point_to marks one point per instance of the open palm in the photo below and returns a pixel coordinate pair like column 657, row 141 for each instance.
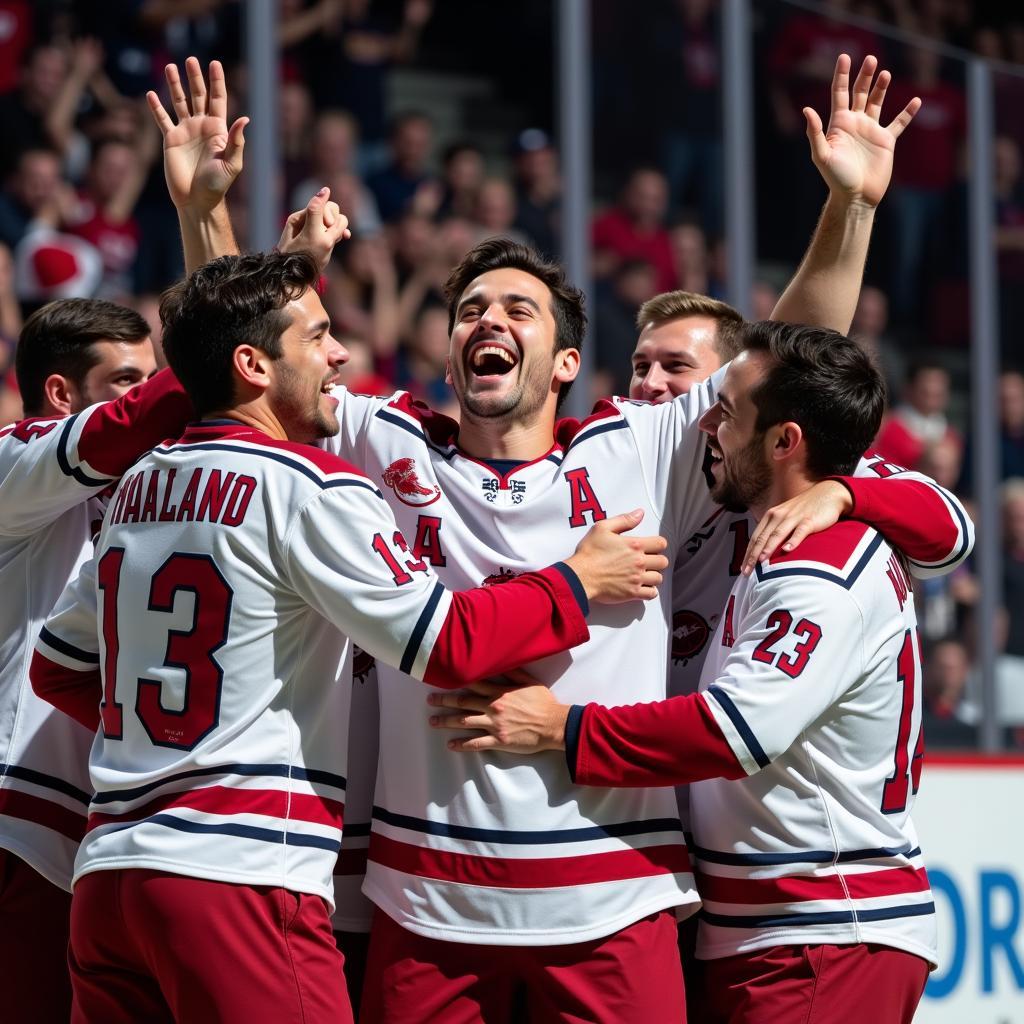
column 202, row 157
column 855, row 153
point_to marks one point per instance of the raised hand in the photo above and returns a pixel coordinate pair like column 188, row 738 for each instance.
column 202, row 156
column 317, row 228
column 854, row 154
column 614, row 568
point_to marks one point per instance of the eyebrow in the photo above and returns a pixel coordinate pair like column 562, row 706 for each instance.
column 723, row 400
column 674, row 354
column 130, row 368
column 509, row 299
column 318, row 327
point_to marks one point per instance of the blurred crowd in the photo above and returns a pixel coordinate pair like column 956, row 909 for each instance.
column 84, row 210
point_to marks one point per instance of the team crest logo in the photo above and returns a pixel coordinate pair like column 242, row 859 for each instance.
column 501, row 576
column 689, row 635
column 401, row 477
column 362, row 664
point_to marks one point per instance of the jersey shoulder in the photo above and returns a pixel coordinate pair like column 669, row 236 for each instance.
column 418, row 419
column 606, row 415
column 839, row 554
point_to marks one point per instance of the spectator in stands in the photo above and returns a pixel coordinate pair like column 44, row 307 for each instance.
column 924, row 175
column 920, row 418
column 334, row 151
column 870, row 323
column 688, row 67
column 1009, row 191
column 422, row 364
column 23, row 113
column 946, row 672
column 296, row 116
column 691, row 259
column 538, row 185
column 36, row 196
column 407, row 181
column 634, row 282
column 635, row 229
column 16, row 33
column 85, row 68
column 1011, row 433
column 362, row 293
column 358, row 374
column 461, row 178
column 495, row 211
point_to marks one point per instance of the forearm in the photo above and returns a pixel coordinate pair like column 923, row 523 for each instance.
column 826, row 286
column 206, row 235
column 76, row 694
column 666, row 743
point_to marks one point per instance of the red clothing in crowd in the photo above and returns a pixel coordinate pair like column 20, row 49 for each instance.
column 938, row 131
column 616, row 232
column 901, row 444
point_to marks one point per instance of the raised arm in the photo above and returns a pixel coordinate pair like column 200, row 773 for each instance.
column 854, row 155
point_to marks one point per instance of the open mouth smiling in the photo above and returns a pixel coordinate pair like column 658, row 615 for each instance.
column 491, row 358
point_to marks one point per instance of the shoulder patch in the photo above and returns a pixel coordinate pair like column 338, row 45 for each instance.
column 839, row 553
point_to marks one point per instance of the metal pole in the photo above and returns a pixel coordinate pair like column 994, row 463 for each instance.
column 574, row 140
column 984, row 372
column 262, row 158
column 738, row 129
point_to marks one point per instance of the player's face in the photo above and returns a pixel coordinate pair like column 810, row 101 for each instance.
column 305, row 374
column 740, row 468
column 673, row 356
column 122, row 366
column 502, row 359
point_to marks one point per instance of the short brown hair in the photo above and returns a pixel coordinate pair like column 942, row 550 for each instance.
column 504, row 253
column 669, row 306
column 58, row 338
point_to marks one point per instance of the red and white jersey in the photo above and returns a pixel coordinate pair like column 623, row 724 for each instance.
column 214, row 620
column 51, row 474
column 803, row 750
column 936, row 537
column 499, row 848
column 814, row 678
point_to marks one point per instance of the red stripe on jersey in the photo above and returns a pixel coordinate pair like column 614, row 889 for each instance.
column 888, row 882
column 77, row 694
column 910, row 514
column 351, row 862
column 274, row 803
column 832, row 547
column 566, row 430
column 529, row 873
column 117, row 433
column 441, row 430
column 28, row 807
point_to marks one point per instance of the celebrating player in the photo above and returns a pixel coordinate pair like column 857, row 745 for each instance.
column 226, row 565
column 73, row 355
column 468, row 854
column 804, row 745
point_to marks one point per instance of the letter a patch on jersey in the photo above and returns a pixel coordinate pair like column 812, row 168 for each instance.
column 428, row 541
column 728, row 633
column 583, row 498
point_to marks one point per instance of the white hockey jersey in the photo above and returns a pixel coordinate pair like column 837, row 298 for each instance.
column 804, row 752
column 229, row 573
column 51, row 474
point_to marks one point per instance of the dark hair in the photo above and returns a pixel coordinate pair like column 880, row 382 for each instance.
column 59, row 338
column 922, row 364
column 503, row 253
column 454, row 149
column 230, row 301
column 823, row 381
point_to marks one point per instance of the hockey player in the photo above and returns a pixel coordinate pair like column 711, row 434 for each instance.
column 804, row 744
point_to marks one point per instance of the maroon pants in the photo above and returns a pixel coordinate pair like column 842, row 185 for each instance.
column 155, row 947
column 630, row 977
column 813, row 985
column 34, row 920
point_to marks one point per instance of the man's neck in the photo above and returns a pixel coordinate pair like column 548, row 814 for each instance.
column 488, row 439
column 252, row 414
column 784, row 486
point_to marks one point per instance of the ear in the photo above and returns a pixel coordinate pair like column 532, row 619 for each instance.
column 59, row 395
column 252, row 367
column 567, row 365
column 788, row 441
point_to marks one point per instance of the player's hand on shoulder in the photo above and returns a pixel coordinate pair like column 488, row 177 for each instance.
column 518, row 715
column 317, row 228
column 786, row 525
column 614, row 567
column 202, row 156
column 855, row 152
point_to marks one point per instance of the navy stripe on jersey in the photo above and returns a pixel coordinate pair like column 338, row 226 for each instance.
column 556, row 459
column 389, row 417
column 747, row 734
column 277, row 771
column 412, row 648
column 69, row 649
column 17, row 771
column 964, row 534
column 264, row 835
column 65, row 464
column 824, row 917
column 220, row 446
column 846, row 582
column 802, row 856
column 585, row 435
column 546, row 837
